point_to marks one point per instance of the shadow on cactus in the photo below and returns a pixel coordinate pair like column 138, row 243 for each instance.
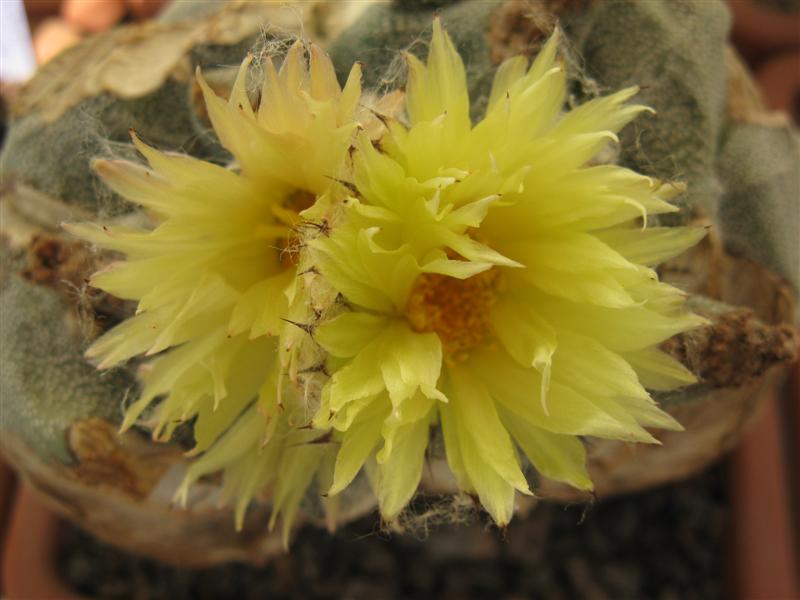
column 366, row 273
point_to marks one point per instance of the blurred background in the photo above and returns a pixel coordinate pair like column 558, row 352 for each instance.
column 731, row 532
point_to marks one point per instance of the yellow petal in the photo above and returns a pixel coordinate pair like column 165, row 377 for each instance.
column 653, row 245
column 322, row 76
column 495, row 493
column 659, row 371
column 358, row 443
column 401, row 472
column 508, row 73
column 440, row 87
column 346, row 334
column 480, row 424
column 557, row 457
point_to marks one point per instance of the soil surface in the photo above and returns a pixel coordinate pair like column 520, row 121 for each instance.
column 666, row 544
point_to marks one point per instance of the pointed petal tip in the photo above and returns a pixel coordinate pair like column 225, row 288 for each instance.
column 285, row 536
column 273, row 518
column 625, row 94
column 696, row 320
column 645, row 437
column 388, row 516
column 93, row 163
column 315, row 51
column 238, row 521
column 201, row 81
column 105, row 364
column 513, row 264
column 501, row 521
column 674, row 425
column 554, row 38
column 70, row 228
column 103, row 166
column 192, row 452
column 179, row 498
column 357, row 71
column 336, row 488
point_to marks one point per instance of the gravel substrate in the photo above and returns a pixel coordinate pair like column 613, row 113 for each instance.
column 663, row 544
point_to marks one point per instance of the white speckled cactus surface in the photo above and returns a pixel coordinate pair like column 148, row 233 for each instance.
column 727, row 166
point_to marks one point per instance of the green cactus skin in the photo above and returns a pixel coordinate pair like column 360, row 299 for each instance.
column 46, row 383
column 759, row 214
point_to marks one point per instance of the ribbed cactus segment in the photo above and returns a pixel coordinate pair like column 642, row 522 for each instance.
column 675, row 52
column 759, row 213
column 46, row 383
column 54, row 156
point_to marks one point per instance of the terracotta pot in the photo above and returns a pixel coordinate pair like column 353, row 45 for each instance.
column 29, row 553
column 765, row 543
column 779, row 78
column 794, row 420
column 8, row 484
column 757, row 30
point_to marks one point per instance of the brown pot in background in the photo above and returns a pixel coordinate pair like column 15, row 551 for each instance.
column 8, row 484
column 779, row 78
column 759, row 30
column 764, row 540
column 29, row 569
column 765, row 469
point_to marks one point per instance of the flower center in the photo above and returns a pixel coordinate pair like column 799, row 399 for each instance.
column 457, row 310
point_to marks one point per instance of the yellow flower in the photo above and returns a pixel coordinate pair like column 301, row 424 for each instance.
column 487, row 279
column 498, row 284
column 215, row 273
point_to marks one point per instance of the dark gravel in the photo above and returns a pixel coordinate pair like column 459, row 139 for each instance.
column 663, row 544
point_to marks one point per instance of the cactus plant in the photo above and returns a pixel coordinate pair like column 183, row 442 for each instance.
column 695, row 137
